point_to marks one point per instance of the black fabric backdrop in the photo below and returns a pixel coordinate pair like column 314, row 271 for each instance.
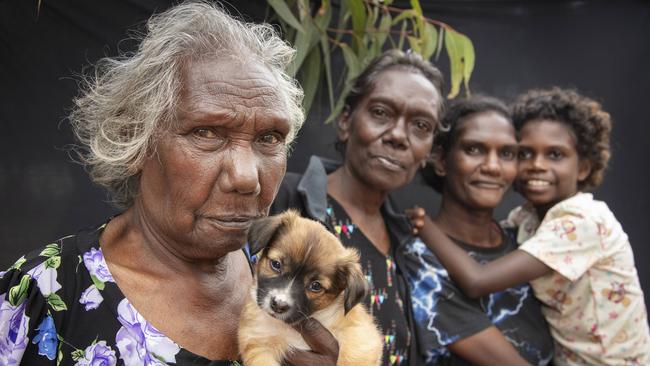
column 601, row 48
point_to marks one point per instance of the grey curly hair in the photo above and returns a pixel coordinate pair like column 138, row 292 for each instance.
column 131, row 98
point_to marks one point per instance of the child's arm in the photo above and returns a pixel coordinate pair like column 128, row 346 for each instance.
column 475, row 279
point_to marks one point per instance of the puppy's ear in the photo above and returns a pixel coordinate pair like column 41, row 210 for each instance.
column 262, row 231
column 357, row 286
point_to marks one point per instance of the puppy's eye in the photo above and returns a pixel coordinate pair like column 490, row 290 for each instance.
column 276, row 265
column 315, row 286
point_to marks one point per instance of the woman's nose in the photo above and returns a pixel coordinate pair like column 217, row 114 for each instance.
column 491, row 165
column 397, row 135
column 239, row 171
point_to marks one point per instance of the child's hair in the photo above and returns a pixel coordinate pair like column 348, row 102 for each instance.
column 456, row 112
column 590, row 124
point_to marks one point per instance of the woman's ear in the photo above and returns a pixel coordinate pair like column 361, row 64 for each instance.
column 343, row 124
column 584, row 169
column 437, row 160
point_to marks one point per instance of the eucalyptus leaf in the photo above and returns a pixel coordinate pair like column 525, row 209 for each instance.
column 414, row 42
column 419, row 16
column 405, row 14
column 469, row 59
column 351, row 61
column 428, row 40
column 455, row 52
column 280, row 7
column 311, row 77
column 327, row 62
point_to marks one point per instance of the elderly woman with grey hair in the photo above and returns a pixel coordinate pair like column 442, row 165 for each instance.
column 189, row 135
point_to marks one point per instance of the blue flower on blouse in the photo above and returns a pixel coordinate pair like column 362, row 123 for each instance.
column 46, row 338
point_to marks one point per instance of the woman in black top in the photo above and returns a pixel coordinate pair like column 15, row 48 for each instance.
column 386, row 133
column 473, row 164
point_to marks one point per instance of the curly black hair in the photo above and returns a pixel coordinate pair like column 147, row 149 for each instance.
column 456, row 113
column 590, row 124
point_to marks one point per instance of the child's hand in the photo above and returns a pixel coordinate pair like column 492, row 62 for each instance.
column 416, row 215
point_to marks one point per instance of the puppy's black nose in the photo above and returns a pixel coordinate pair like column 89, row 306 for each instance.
column 279, row 306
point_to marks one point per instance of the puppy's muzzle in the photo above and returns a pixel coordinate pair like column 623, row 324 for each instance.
column 279, row 306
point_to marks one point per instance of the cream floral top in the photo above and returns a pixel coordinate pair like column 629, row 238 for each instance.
column 593, row 300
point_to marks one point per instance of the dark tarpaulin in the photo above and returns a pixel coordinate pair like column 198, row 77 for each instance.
column 598, row 47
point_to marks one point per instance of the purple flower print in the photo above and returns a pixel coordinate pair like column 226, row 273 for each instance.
column 98, row 354
column 139, row 342
column 91, row 298
column 46, row 338
column 94, row 261
column 13, row 332
column 46, row 278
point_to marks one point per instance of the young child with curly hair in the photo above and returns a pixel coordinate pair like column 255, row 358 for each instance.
column 572, row 249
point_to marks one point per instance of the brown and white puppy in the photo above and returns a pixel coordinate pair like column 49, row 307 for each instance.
column 304, row 271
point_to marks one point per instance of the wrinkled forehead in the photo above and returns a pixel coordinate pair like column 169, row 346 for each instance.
column 248, row 83
column 231, row 89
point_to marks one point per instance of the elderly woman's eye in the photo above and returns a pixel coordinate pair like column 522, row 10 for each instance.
column 276, row 265
column 315, row 286
column 203, row 132
column 270, row 138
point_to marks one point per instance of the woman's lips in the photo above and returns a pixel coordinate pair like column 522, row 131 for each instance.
column 389, row 163
column 233, row 222
column 488, row 184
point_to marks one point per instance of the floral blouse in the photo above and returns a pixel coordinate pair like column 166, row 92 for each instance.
column 60, row 306
column 593, row 300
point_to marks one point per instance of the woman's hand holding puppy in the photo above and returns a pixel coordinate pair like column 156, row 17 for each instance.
column 324, row 347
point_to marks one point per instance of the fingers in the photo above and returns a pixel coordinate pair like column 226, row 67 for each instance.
column 319, row 339
column 416, row 215
column 325, row 348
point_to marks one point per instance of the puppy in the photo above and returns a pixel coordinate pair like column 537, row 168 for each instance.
column 304, row 271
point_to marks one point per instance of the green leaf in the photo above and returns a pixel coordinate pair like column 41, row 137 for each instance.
column 419, row 16
column 455, row 53
column 19, row 263
column 56, row 302
column 280, row 7
column 428, row 40
column 405, row 14
column 327, row 61
column 469, row 59
column 99, row 284
column 78, row 355
column 311, row 77
column 402, row 35
column 18, row 293
column 461, row 59
column 414, row 43
column 50, row 250
column 358, row 12
column 441, row 35
column 53, row 262
column 351, row 61
column 382, row 32
column 303, row 44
